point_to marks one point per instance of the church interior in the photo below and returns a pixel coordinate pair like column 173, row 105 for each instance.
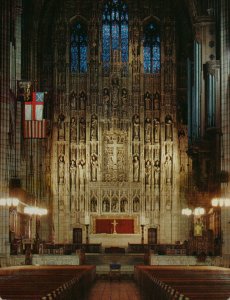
column 115, row 147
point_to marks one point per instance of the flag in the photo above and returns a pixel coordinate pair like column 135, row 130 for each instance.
column 34, row 124
column 38, row 104
column 35, row 129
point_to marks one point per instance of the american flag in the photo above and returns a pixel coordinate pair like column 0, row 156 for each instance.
column 35, row 126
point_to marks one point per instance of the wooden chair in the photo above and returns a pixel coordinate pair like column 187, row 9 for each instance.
column 114, row 271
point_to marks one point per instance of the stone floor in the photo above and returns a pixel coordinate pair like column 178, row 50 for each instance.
column 115, row 289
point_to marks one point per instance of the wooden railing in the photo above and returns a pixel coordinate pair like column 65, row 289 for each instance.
column 161, row 249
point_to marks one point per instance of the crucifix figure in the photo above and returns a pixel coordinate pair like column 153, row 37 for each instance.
column 114, row 223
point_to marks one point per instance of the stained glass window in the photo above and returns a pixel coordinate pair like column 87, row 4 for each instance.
column 114, row 31
column 78, row 48
column 151, row 49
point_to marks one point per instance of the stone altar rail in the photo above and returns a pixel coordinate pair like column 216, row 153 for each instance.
column 177, row 260
column 44, row 260
column 68, row 249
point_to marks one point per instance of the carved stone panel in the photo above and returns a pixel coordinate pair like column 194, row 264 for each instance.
column 115, row 156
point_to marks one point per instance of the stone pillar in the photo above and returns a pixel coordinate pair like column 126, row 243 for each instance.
column 225, row 113
column 4, row 122
column 4, row 231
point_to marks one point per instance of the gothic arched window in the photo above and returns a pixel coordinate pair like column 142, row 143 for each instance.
column 78, row 48
column 114, row 32
column 151, row 48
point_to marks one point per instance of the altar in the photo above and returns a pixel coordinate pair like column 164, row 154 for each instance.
column 115, row 231
column 113, row 226
column 115, row 240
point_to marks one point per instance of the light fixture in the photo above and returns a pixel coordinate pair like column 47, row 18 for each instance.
column 186, row 211
column 220, row 202
column 9, row 202
column 87, row 220
column 198, row 211
column 33, row 210
column 30, row 210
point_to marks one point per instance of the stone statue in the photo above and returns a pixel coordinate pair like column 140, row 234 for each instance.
column 156, row 101
column 135, row 168
column 156, row 173
column 168, row 128
column 106, row 101
column 136, row 205
column 124, row 205
column 136, row 126
column 73, row 129
column 93, row 205
column 115, row 92
column 81, row 171
column 147, row 130
column 114, row 206
column 72, row 170
column 61, row 127
column 124, row 100
column 73, row 100
column 61, row 169
column 148, row 101
column 82, row 101
column 93, row 127
column 94, row 165
column 82, row 129
column 105, row 205
column 168, row 168
column 148, row 170
column 156, row 130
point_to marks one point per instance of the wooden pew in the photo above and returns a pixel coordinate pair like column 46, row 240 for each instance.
column 47, row 282
column 174, row 282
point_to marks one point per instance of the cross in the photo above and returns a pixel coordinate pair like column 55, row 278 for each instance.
column 113, row 149
column 115, row 146
column 114, row 223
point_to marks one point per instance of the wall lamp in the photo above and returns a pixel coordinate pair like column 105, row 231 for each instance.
column 29, row 210
column 33, row 210
column 220, row 202
column 198, row 211
column 9, row 202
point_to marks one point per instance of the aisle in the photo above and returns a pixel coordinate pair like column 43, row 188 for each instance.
column 114, row 290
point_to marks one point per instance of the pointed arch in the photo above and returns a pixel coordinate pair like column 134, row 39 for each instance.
column 151, row 47
column 78, row 47
column 114, row 31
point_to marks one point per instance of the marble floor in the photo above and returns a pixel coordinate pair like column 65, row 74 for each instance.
column 114, row 290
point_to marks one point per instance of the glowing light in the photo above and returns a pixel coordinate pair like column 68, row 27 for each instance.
column 215, row 202
column 186, row 211
column 220, row 202
column 198, row 211
column 9, row 202
column 33, row 210
column 227, row 202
